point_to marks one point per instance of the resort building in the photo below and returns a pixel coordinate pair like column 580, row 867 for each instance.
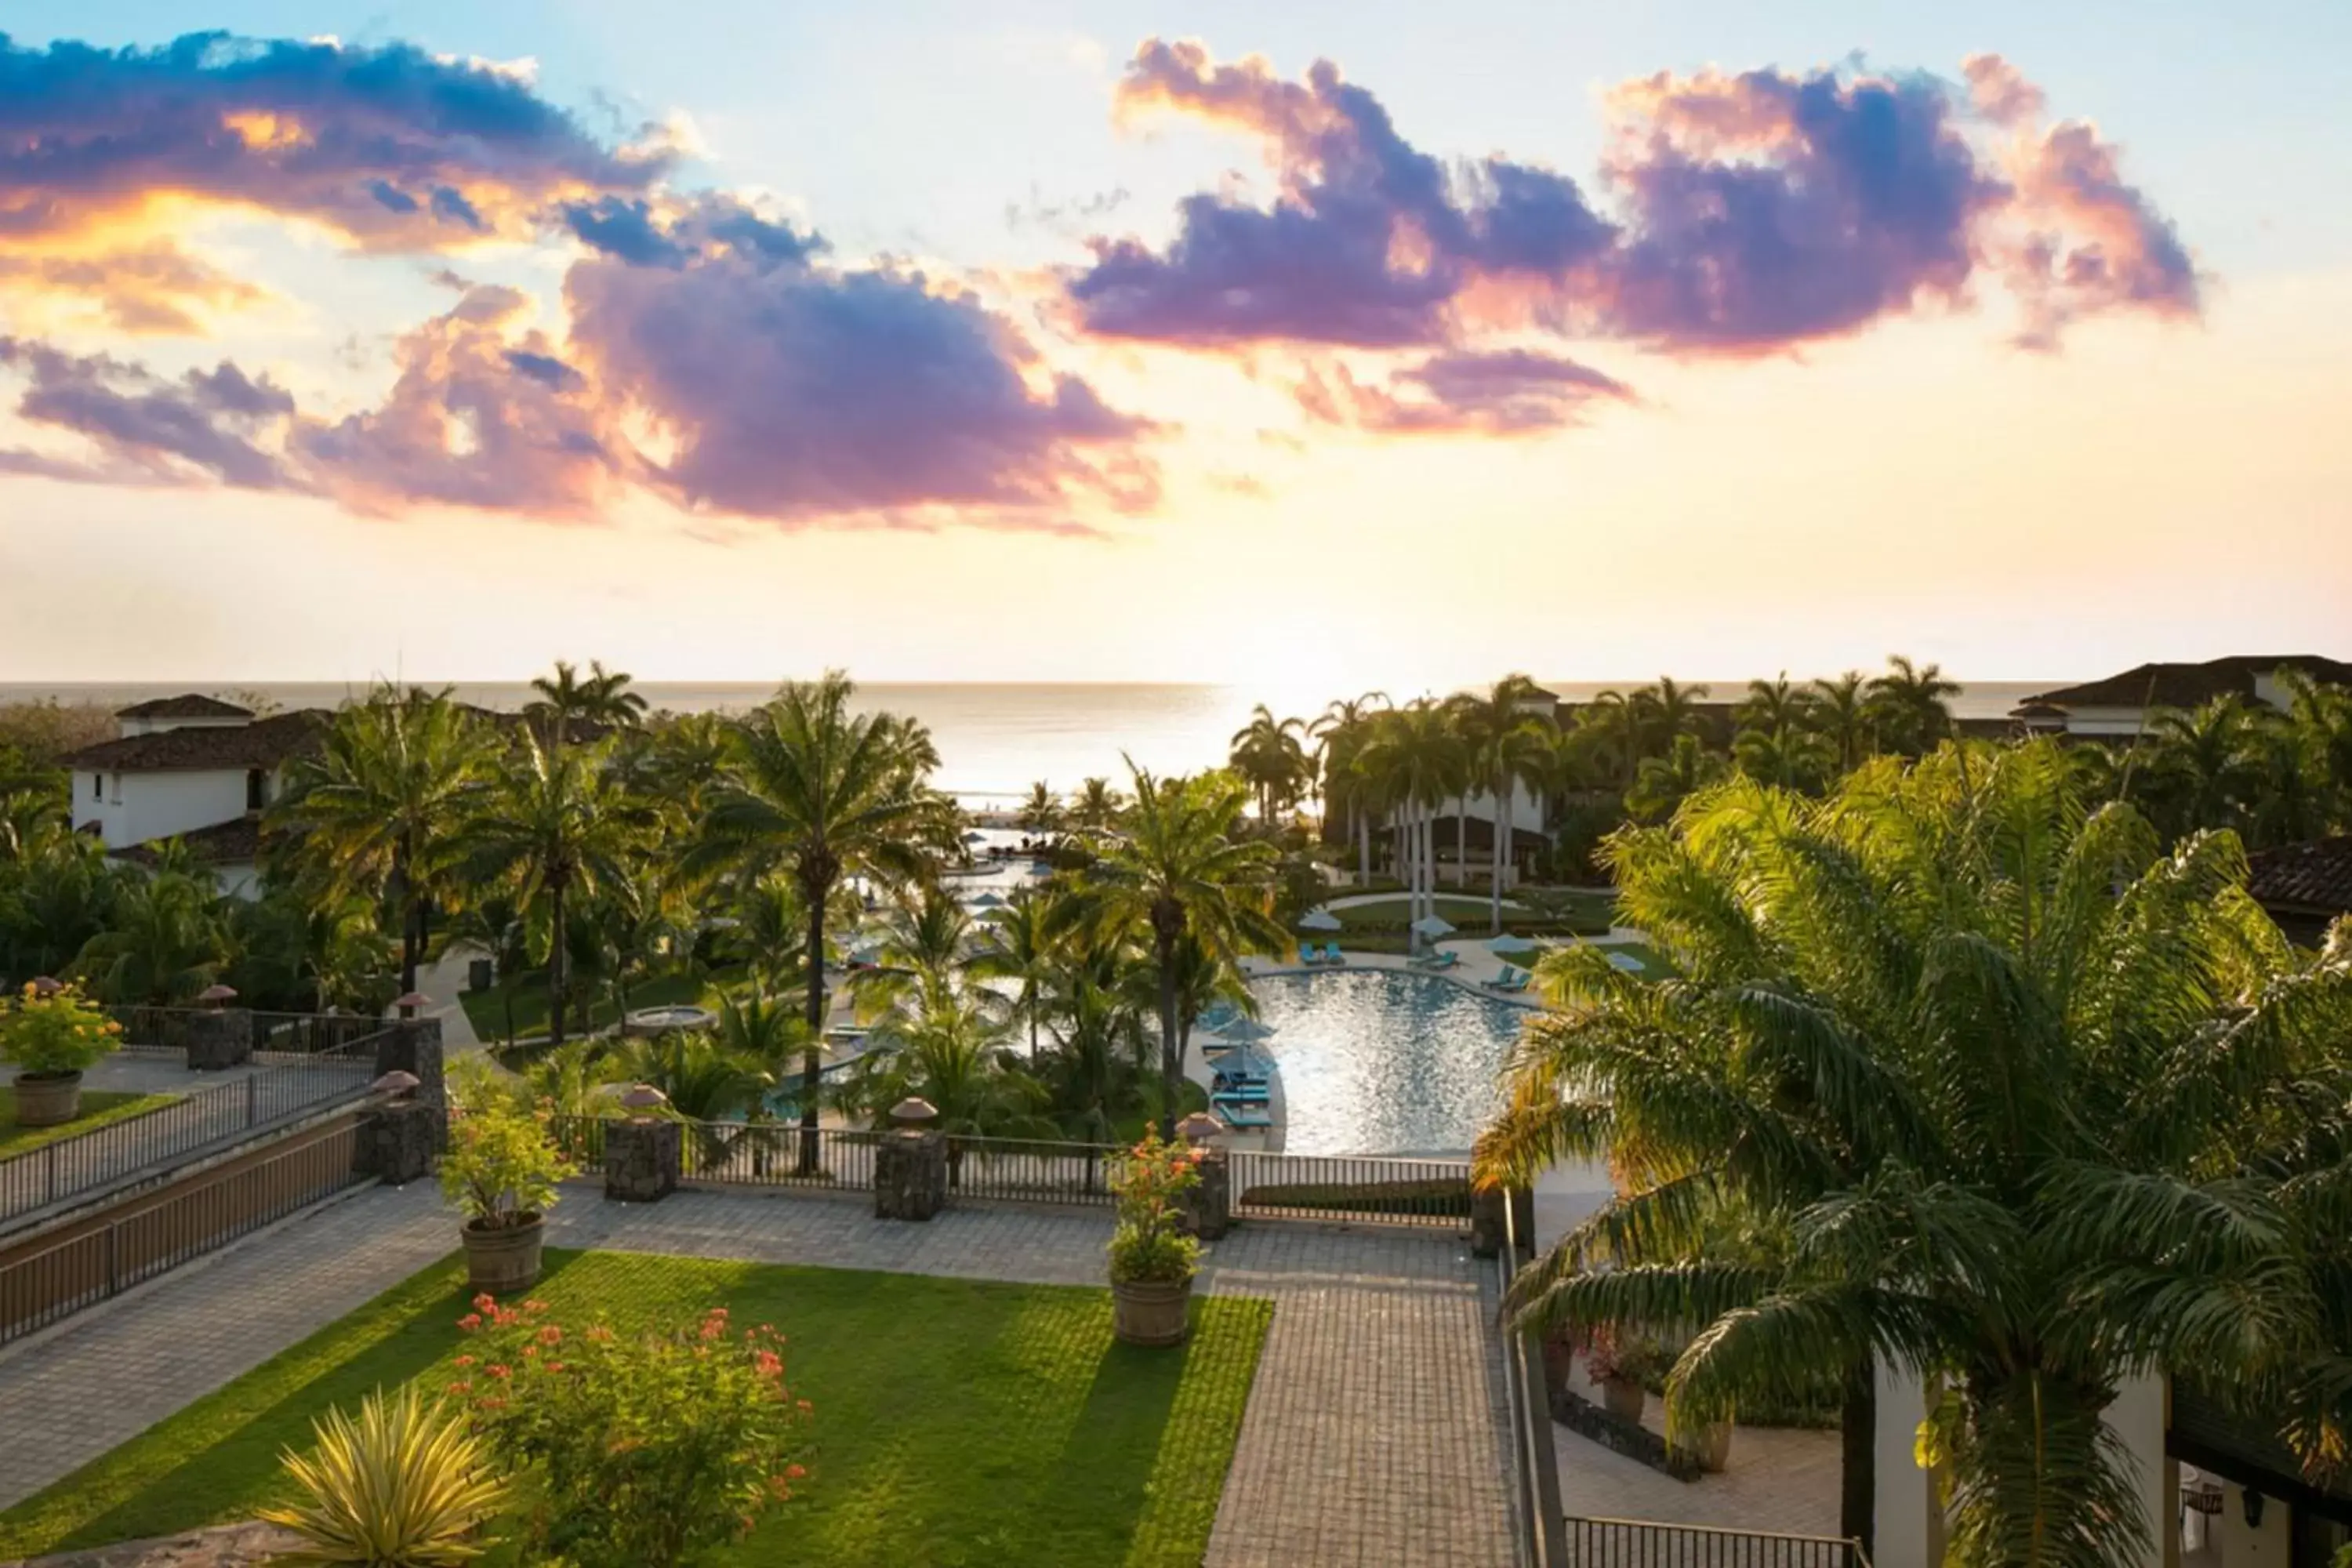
column 192, row 768
column 2305, row 887
column 2120, row 705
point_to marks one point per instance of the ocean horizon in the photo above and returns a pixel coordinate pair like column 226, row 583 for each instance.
column 995, row 738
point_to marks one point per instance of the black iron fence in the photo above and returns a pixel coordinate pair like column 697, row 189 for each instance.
column 188, row 1126
column 277, row 1034
column 1016, row 1170
column 211, row 1210
column 1645, row 1544
column 1342, row 1187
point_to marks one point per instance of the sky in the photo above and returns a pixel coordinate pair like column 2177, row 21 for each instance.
column 1304, row 346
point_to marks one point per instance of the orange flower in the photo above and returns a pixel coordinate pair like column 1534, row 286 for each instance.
column 486, row 1302
column 465, row 1361
column 550, row 1335
column 470, row 1322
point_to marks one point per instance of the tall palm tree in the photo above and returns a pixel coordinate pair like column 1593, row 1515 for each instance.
column 1416, row 757
column 553, row 828
column 1096, row 805
column 1665, row 783
column 1786, row 754
column 1774, row 706
column 2014, row 1090
column 2321, row 716
column 603, row 698
column 952, row 1052
column 1174, row 871
column 2203, row 765
column 1662, row 712
column 825, row 792
column 1268, row 752
column 925, row 936
column 1042, row 812
column 379, row 807
column 1339, row 735
column 1841, row 711
column 1507, row 746
column 1910, row 704
column 1017, row 943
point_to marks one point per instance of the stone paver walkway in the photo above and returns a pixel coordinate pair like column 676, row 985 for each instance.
column 1374, row 1433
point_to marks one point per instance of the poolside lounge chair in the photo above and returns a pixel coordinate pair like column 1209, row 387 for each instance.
column 1443, row 958
column 1245, row 1120
column 1331, row 954
column 1510, row 982
column 1307, row 955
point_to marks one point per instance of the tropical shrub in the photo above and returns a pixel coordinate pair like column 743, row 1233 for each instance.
column 1150, row 1245
column 404, row 1486
column 646, row 1450
column 502, row 1166
column 62, row 1032
column 1612, row 1355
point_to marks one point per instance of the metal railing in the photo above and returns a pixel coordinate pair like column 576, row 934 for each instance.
column 188, row 1126
column 42, row 1287
column 1537, row 1525
column 1645, row 1544
column 1342, row 1187
column 274, row 1034
column 1020, row 1170
column 752, row 1153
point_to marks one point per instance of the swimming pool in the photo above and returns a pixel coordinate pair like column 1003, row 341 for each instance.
column 1384, row 1062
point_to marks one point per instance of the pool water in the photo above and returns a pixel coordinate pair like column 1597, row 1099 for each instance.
column 1383, row 1062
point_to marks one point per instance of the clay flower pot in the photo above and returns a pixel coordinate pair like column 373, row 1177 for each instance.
column 503, row 1259
column 1150, row 1311
column 48, row 1099
column 1623, row 1397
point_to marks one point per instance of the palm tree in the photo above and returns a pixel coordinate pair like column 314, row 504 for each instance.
column 1774, row 706
column 1017, row 943
column 1785, row 754
column 1338, row 738
column 554, row 827
column 1841, row 711
column 1908, row 705
column 1661, row 713
column 1268, row 753
column 1096, row 807
column 1416, row 758
column 827, row 793
column 378, row 808
column 166, row 938
column 1508, row 745
column 1175, row 871
column 2321, row 716
column 950, row 1051
column 1665, row 783
column 55, row 897
column 565, row 700
column 925, row 936
column 1042, row 813
column 2203, row 765
column 2012, row 1088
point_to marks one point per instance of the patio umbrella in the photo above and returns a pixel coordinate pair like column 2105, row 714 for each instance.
column 975, row 836
column 986, row 902
column 1433, row 926
column 1626, row 961
column 1248, row 1029
column 1320, row 919
column 1510, row 942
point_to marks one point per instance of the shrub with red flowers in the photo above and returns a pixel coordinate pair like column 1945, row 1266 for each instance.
column 1150, row 1243
column 1612, row 1355
column 652, row 1449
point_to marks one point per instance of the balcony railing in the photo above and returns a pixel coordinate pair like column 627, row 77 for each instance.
column 1648, row 1543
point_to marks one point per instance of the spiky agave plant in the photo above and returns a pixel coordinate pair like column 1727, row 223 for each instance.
column 406, row 1485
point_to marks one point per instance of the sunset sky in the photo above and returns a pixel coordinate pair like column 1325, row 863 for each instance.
column 1359, row 344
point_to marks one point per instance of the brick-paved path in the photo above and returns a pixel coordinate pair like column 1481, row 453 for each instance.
column 1373, row 1434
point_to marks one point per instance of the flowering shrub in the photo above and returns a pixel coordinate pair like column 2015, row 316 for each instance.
column 62, row 1032
column 501, row 1167
column 1150, row 1245
column 649, row 1449
column 1612, row 1355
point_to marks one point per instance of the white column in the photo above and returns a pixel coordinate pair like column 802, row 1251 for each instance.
column 1906, row 1527
column 2137, row 1419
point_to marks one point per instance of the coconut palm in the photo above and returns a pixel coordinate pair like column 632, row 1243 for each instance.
column 1664, row 783
column 1096, row 805
column 2201, row 766
column 1174, row 871
column 1416, row 759
column 825, row 793
column 1017, row 943
column 1841, row 711
column 379, row 809
column 166, row 938
column 1507, row 746
column 924, row 936
column 566, row 701
column 1042, row 813
column 1662, row 712
column 1774, row 706
column 554, row 828
column 949, row 1050
column 2014, row 1090
column 1908, row 705
column 1339, row 735
column 1786, row 754
column 1268, row 753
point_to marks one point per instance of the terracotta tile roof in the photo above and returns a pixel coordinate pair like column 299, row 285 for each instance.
column 2316, row 875
column 236, row 842
column 264, row 744
column 2190, row 685
column 187, row 705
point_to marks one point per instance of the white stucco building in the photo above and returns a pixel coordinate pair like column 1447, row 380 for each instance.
column 2118, row 707
column 192, row 768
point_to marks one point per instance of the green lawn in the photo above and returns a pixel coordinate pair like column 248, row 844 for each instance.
column 486, row 1010
column 98, row 1107
column 957, row 1422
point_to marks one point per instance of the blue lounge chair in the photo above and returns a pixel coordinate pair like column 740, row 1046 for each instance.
column 1331, row 954
column 1510, row 982
column 1308, row 956
column 1247, row 1120
column 1254, row 1089
column 1439, row 960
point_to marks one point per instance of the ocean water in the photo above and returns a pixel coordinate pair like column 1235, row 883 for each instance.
column 993, row 740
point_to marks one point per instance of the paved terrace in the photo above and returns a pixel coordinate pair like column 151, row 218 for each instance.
column 1374, row 1433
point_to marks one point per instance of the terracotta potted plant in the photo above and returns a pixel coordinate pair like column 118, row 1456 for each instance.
column 53, row 1034
column 1152, row 1258
column 1615, row 1363
column 501, row 1171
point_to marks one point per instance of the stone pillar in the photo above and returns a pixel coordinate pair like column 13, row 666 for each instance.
column 642, row 1159
column 396, row 1142
column 1206, row 1209
column 221, row 1037
column 1486, row 1220
column 910, row 1174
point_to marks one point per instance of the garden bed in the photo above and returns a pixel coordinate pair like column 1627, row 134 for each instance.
column 956, row 1422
